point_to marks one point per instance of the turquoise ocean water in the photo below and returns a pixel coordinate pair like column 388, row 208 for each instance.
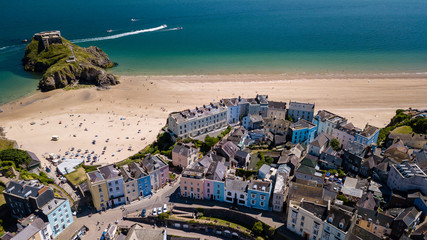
column 223, row 36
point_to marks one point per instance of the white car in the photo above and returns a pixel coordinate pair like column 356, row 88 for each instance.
column 159, row 210
column 165, row 208
column 154, row 212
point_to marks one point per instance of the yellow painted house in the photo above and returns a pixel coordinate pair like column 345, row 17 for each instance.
column 98, row 188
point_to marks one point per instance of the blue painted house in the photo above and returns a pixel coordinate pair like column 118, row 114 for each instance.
column 259, row 194
column 368, row 136
column 302, row 131
column 144, row 186
column 137, row 182
column 58, row 213
column 219, row 190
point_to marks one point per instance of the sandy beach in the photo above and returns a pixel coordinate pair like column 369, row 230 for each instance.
column 132, row 113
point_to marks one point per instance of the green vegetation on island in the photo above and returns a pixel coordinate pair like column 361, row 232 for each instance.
column 63, row 63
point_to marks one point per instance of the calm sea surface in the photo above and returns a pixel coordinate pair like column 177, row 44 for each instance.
column 223, row 36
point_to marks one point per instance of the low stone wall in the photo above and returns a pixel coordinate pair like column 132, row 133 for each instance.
column 231, row 216
column 208, row 229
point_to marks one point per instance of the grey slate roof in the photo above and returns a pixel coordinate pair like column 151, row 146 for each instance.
column 52, row 205
column 137, row 232
column 259, row 186
column 236, row 185
column 367, row 201
column 319, row 211
column 276, row 105
column 301, row 106
column 322, row 140
column 265, row 169
column 30, row 230
column 355, row 148
column 24, row 188
column 408, row 216
column 338, row 216
column 109, row 172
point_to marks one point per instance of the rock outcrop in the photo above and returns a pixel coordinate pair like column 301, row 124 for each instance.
column 64, row 64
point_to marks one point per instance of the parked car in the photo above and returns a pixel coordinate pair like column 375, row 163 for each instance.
column 154, row 212
column 159, row 210
column 165, row 208
column 143, row 213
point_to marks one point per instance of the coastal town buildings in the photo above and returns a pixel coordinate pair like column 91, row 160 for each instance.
column 114, row 182
column 158, row 170
column 280, row 192
column 326, row 122
column 407, row 176
column 276, row 110
column 136, row 182
column 37, row 229
column 184, row 155
column 319, row 144
column 368, row 136
column 345, row 133
column 25, row 197
column 99, row 190
column 191, row 123
column 298, row 110
column 233, row 109
column 306, row 219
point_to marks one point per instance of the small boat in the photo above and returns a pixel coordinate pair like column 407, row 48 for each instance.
column 110, row 30
column 24, row 41
column 179, row 28
column 133, row 20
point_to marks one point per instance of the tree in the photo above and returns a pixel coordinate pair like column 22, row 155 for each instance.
column 335, row 144
column 257, row 229
column 19, row 157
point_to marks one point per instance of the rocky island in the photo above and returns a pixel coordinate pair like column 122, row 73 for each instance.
column 63, row 63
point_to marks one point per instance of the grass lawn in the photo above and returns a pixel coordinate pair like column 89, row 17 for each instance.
column 254, row 160
column 403, row 129
column 77, row 176
column 221, row 222
column 6, row 144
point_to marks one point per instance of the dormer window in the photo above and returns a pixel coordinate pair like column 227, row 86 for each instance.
column 330, row 219
column 341, row 225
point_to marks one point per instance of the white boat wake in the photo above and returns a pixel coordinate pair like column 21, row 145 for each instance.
column 172, row 29
column 120, row 35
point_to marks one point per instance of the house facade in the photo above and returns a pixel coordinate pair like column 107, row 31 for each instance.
column 368, row 136
column 184, row 155
column 327, row 121
column 158, row 170
column 114, row 182
column 306, row 219
column 406, row 177
column 298, row 110
column 302, row 131
column 279, row 193
column 345, row 133
column 25, row 197
column 38, row 229
column 233, row 110
column 276, row 110
column 98, row 189
column 259, row 194
column 191, row 123
column 58, row 213
column 236, row 191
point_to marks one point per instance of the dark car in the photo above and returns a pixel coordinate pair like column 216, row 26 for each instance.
column 143, row 213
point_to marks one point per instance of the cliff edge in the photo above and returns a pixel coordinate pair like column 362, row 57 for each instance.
column 63, row 63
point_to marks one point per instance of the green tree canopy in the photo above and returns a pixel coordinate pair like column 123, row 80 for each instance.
column 335, row 144
column 257, row 229
column 19, row 157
